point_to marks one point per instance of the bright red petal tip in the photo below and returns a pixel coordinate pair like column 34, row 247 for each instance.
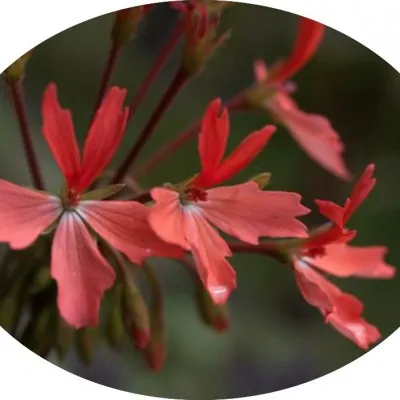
column 58, row 130
column 104, row 137
column 82, row 274
column 25, row 214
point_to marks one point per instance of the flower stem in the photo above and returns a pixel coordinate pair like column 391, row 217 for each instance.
column 17, row 97
column 115, row 51
column 176, row 85
column 269, row 249
column 165, row 51
column 236, row 103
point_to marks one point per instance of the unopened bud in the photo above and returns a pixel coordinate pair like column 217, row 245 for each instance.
column 126, row 23
column 114, row 324
column 84, row 344
column 64, row 336
column 214, row 315
column 16, row 71
column 135, row 315
column 262, row 180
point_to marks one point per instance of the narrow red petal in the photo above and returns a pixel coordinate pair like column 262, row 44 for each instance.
column 213, row 136
column 308, row 38
column 25, row 214
column 58, row 130
column 314, row 133
column 125, row 225
column 260, row 71
column 358, row 330
column 344, row 261
column 247, row 150
column 360, row 192
column 331, row 211
column 246, row 212
column 104, row 136
column 82, row 274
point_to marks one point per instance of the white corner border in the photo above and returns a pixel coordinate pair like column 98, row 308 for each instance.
column 373, row 23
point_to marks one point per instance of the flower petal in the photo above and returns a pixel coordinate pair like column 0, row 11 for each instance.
column 104, row 136
column 246, row 212
column 58, row 130
column 124, row 224
column 82, row 274
column 25, row 214
column 357, row 330
column 345, row 261
column 308, row 38
column 260, row 71
column 314, row 134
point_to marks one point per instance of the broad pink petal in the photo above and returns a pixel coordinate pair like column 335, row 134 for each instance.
column 246, row 212
column 308, row 38
column 358, row 330
column 344, row 261
column 213, row 136
column 314, row 134
column 25, row 214
column 242, row 156
column 125, row 225
column 82, row 274
column 104, row 136
column 58, row 130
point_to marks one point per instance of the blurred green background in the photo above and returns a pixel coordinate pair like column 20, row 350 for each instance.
column 276, row 340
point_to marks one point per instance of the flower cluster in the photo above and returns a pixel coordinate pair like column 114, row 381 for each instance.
column 93, row 237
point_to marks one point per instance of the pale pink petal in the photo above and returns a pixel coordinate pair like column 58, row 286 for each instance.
column 58, row 130
column 260, row 71
column 344, row 261
column 25, row 214
column 125, row 225
column 358, row 330
column 246, row 212
column 104, row 136
column 314, row 134
column 82, row 274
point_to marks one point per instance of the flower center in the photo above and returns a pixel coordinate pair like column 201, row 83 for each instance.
column 195, row 195
column 316, row 252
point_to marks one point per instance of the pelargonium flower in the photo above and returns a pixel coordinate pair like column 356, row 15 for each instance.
column 81, row 272
column 314, row 133
column 185, row 216
column 329, row 252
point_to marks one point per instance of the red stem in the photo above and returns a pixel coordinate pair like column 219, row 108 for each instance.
column 236, row 103
column 17, row 96
column 165, row 51
column 115, row 51
column 176, row 85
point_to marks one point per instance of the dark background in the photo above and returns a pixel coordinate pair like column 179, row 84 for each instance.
column 276, row 340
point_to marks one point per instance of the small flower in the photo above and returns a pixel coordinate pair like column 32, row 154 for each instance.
column 329, row 252
column 81, row 272
column 184, row 216
column 314, row 133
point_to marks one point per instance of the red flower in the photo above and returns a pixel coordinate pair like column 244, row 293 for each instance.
column 314, row 133
column 329, row 252
column 184, row 217
column 81, row 272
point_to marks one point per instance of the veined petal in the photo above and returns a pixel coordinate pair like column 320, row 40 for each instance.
column 124, row 224
column 242, row 156
column 358, row 330
column 344, row 261
column 82, row 274
column 246, row 212
column 308, row 38
column 213, row 136
column 58, row 130
column 104, row 136
column 314, row 134
column 25, row 214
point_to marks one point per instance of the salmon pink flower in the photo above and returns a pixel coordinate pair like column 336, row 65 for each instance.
column 314, row 133
column 185, row 216
column 329, row 252
column 81, row 272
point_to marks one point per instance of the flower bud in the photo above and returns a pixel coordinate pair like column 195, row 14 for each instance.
column 262, row 180
column 16, row 71
column 64, row 336
column 114, row 323
column 126, row 23
column 84, row 344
